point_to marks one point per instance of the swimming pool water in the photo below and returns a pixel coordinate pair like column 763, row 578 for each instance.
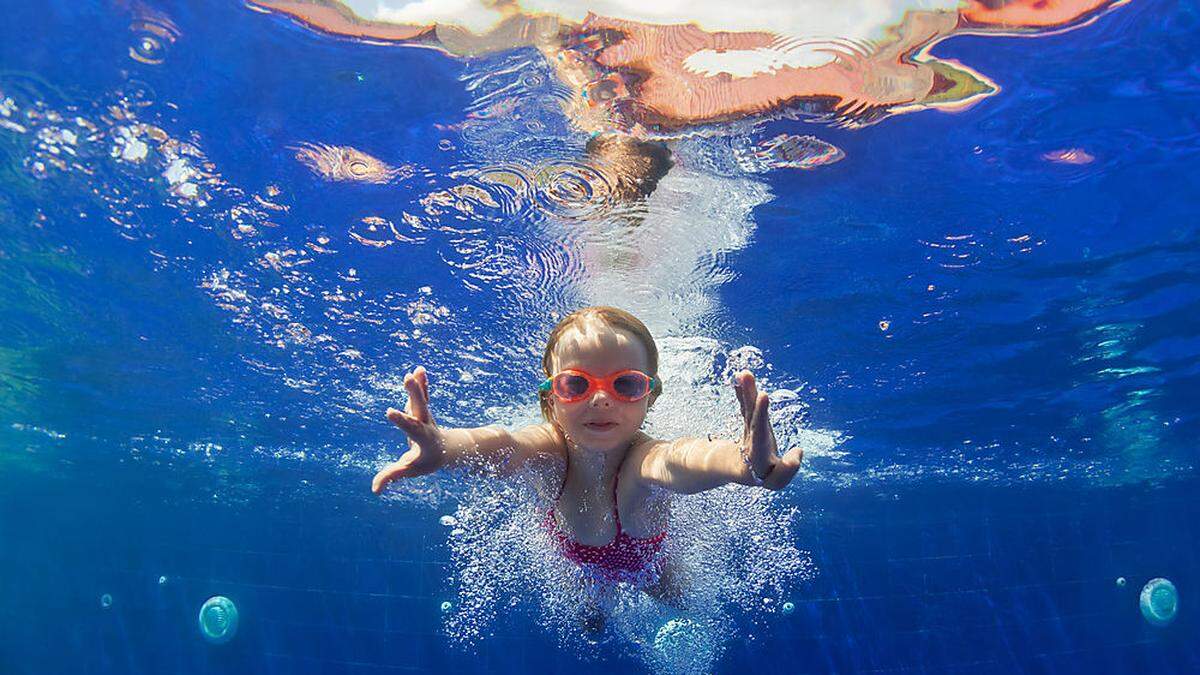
column 991, row 352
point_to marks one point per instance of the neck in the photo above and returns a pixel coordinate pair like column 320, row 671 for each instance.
column 592, row 466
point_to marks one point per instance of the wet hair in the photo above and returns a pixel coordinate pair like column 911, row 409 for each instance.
column 616, row 319
column 634, row 166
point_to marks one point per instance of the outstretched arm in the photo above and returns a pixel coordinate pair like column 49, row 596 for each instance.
column 432, row 447
column 691, row 465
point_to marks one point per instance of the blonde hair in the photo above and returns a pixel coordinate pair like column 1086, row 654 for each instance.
column 617, row 319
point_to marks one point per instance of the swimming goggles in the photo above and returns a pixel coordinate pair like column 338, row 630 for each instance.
column 571, row 386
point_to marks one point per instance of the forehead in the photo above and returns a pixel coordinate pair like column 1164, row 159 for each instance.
column 600, row 349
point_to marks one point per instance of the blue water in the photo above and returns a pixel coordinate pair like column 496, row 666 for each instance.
column 998, row 356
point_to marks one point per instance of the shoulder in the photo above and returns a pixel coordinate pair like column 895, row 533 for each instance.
column 540, row 455
column 540, row 440
column 643, row 463
column 541, row 446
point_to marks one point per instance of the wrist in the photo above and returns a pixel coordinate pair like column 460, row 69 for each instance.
column 756, row 479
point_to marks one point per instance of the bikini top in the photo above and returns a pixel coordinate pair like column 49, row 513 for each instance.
column 618, row 559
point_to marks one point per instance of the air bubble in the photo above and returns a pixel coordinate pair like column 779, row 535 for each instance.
column 674, row 634
column 1121, row 582
column 218, row 619
column 788, row 608
column 152, row 39
column 446, row 606
column 162, row 580
column 448, row 521
column 106, row 601
column 1159, row 602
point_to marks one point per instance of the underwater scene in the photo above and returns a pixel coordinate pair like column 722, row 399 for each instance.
column 549, row 336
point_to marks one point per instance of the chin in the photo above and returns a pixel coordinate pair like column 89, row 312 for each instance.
column 611, row 438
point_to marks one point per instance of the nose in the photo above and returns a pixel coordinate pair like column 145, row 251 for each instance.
column 600, row 398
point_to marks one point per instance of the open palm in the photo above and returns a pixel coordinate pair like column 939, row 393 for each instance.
column 425, row 450
column 758, row 438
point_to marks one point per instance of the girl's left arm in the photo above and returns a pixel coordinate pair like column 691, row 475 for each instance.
column 691, row 465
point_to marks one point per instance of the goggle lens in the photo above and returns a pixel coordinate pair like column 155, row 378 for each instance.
column 569, row 386
column 631, row 386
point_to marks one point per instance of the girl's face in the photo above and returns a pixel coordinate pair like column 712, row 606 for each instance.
column 600, row 421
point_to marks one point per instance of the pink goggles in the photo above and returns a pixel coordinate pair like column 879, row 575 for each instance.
column 571, row 386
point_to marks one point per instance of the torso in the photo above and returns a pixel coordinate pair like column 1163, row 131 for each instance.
column 586, row 512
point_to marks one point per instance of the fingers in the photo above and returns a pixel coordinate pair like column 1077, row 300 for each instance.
column 416, row 384
column 785, row 469
column 386, row 475
column 760, row 422
column 416, row 430
column 762, row 437
column 737, row 389
column 403, row 420
column 422, row 378
column 747, row 393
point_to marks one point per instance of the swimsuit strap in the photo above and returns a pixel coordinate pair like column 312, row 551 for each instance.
column 563, row 485
column 616, row 481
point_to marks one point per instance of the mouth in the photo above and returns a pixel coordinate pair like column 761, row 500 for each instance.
column 600, row 426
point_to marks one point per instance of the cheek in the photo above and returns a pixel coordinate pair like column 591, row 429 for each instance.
column 635, row 412
column 565, row 414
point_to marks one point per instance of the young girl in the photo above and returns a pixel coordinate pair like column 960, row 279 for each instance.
column 601, row 367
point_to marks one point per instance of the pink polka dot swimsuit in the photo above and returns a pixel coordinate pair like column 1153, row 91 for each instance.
column 625, row 558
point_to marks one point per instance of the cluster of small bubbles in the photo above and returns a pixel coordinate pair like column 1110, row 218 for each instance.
column 106, row 601
column 690, row 644
column 1159, row 602
column 673, row 632
column 491, row 548
column 745, row 358
column 757, row 551
column 218, row 619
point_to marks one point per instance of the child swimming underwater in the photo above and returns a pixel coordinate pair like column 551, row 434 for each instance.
column 601, row 366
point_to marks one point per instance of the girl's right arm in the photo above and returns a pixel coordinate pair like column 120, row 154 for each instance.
column 432, row 448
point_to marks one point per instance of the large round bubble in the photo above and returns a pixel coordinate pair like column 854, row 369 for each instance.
column 218, row 619
column 1159, row 601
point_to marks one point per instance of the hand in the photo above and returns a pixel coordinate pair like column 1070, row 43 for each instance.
column 424, row 454
column 758, row 438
